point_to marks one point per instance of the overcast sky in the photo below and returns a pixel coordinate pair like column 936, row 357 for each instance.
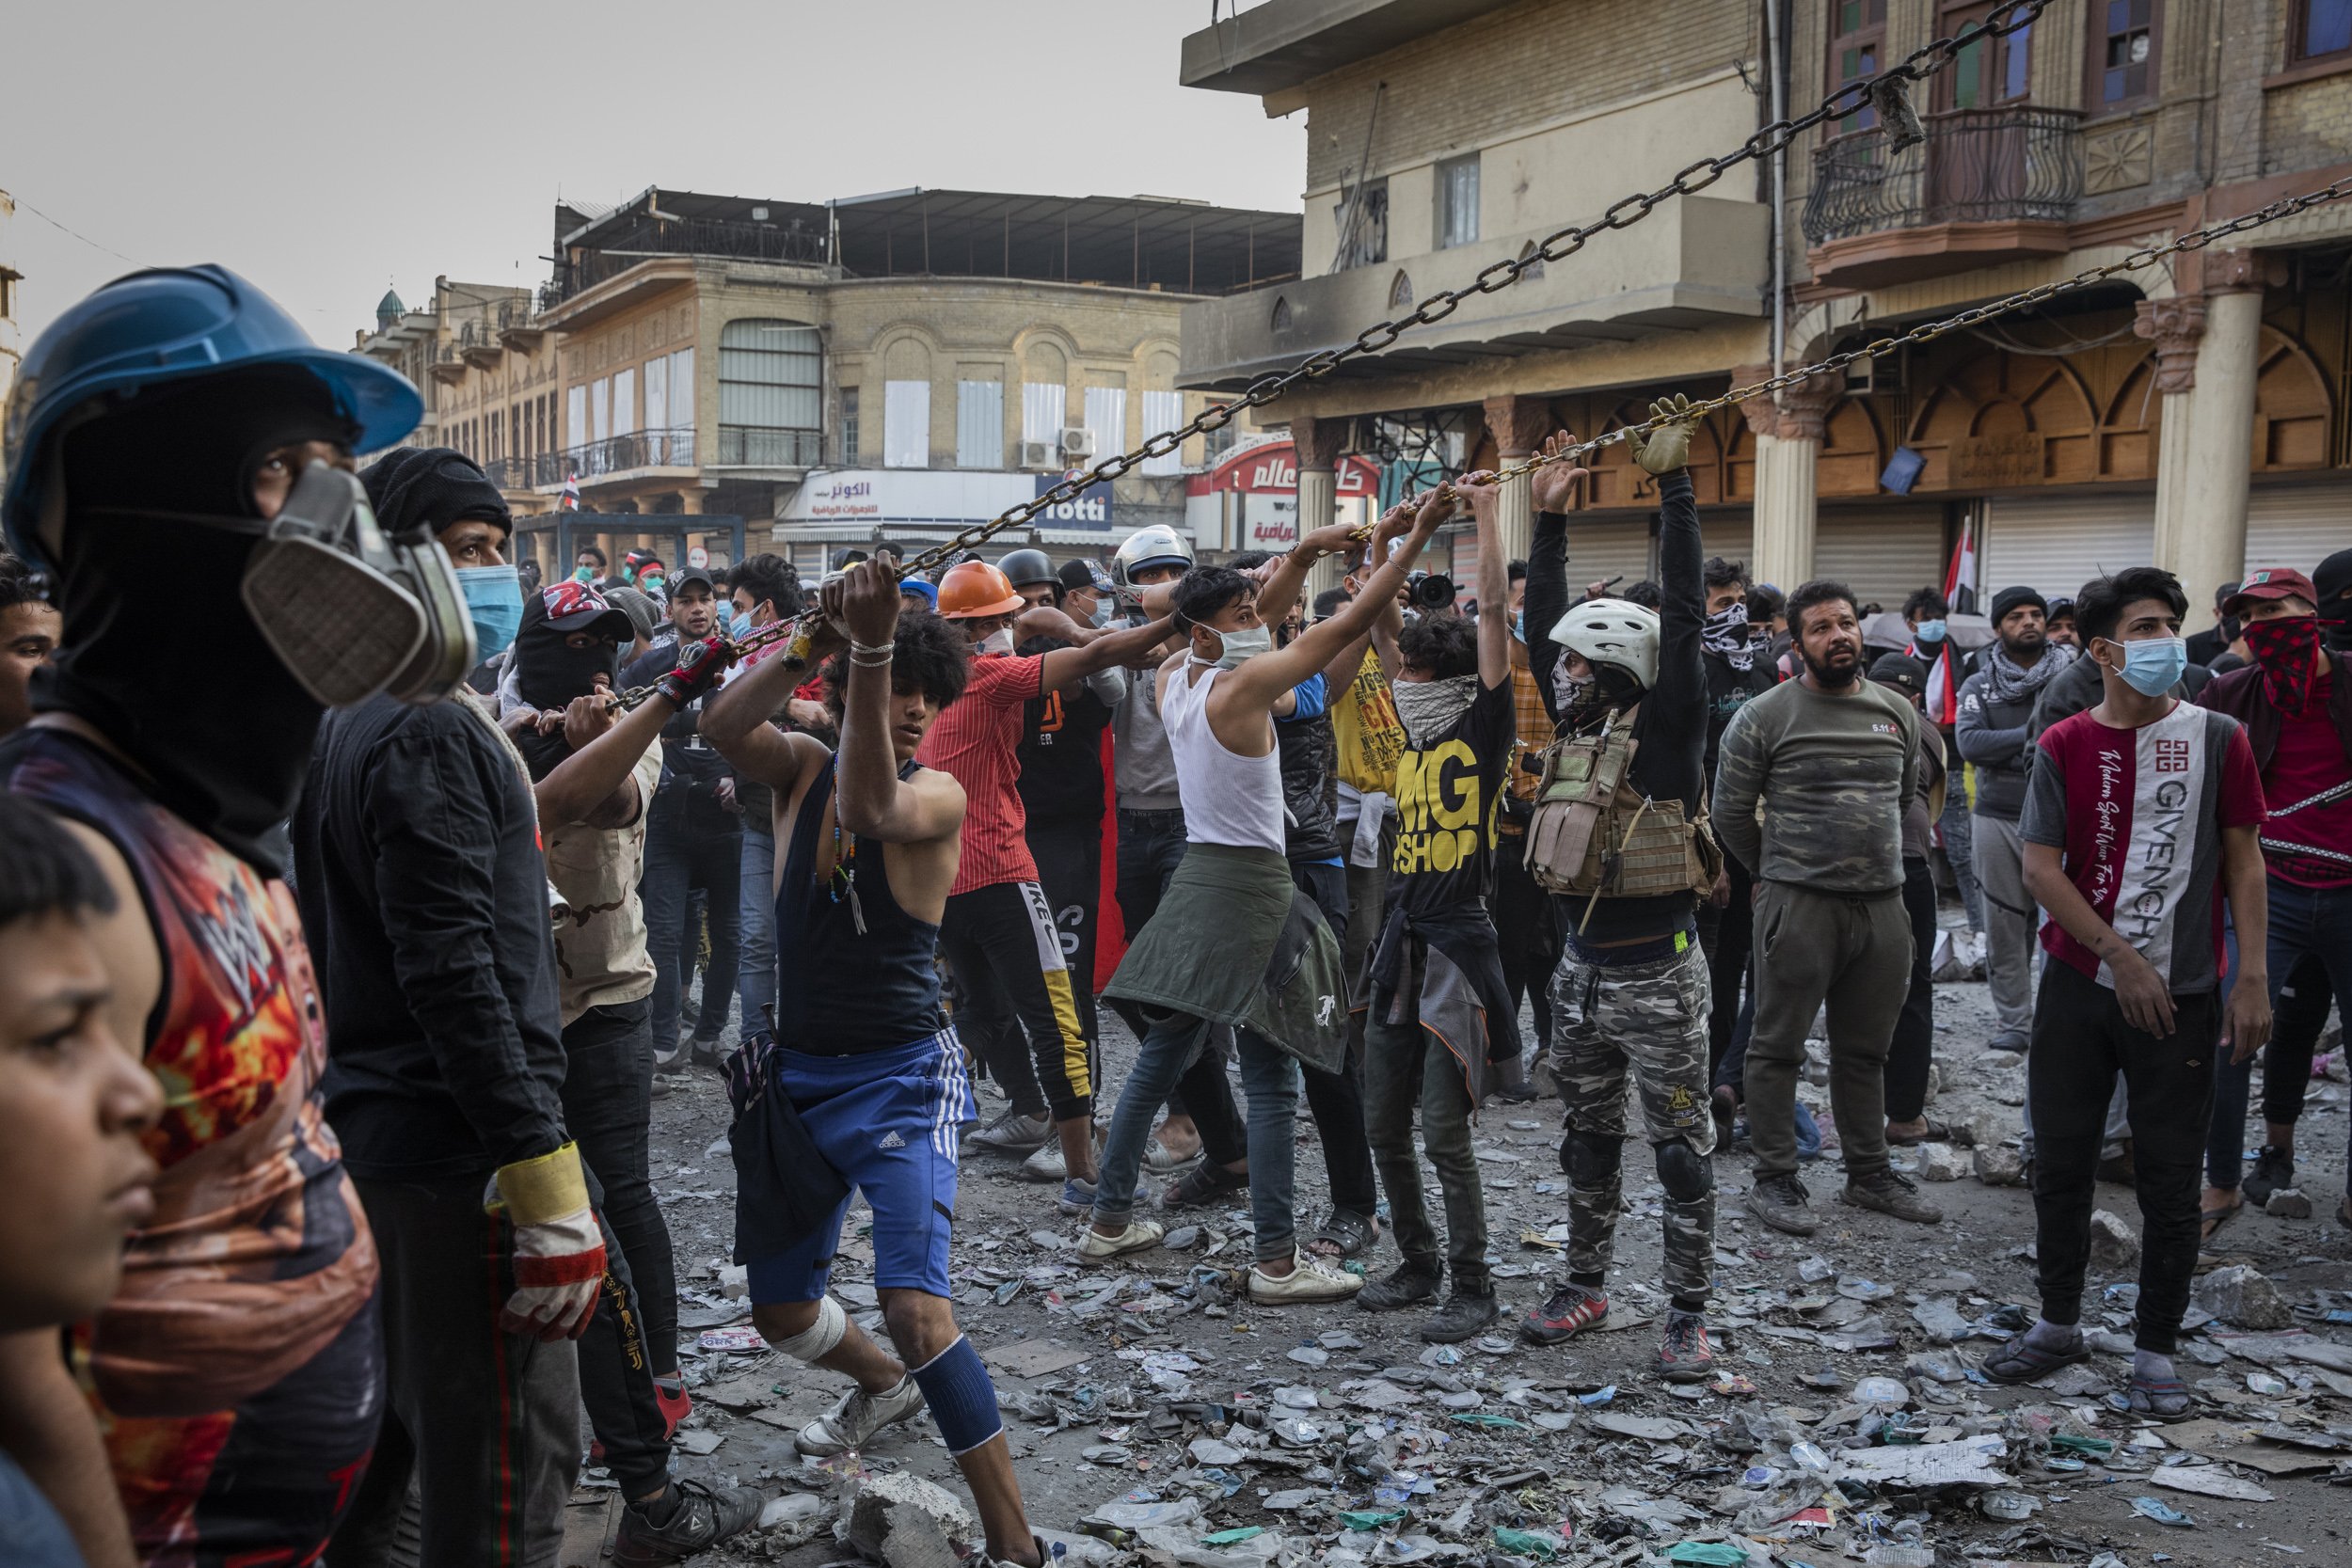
column 327, row 151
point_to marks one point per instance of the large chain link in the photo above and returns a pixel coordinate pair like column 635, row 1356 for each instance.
column 1927, row 332
column 1557, row 246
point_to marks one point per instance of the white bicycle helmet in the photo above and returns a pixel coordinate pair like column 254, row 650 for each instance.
column 1156, row 545
column 1615, row 632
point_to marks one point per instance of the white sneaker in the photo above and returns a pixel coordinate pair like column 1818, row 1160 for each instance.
column 1047, row 1164
column 1094, row 1247
column 1011, row 1133
column 1313, row 1277
column 852, row 1421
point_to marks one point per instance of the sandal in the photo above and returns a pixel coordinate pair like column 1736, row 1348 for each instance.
column 1202, row 1185
column 2017, row 1361
column 2143, row 1394
column 2211, row 1220
column 1346, row 1234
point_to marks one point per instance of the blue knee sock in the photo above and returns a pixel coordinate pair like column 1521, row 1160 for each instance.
column 963, row 1400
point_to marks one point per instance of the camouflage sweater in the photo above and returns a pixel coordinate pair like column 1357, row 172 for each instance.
column 1831, row 776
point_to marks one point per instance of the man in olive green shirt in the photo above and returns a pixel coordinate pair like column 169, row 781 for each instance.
column 1809, row 794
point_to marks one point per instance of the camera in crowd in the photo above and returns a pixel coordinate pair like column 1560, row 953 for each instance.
column 1432, row 591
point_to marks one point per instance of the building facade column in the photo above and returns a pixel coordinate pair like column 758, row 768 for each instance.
column 1519, row 425
column 1317, row 444
column 2208, row 354
column 1788, row 443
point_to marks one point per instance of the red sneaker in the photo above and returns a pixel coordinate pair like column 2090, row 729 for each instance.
column 1684, row 1354
column 1572, row 1309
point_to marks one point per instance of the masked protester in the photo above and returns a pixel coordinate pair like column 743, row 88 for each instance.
column 417, row 851
column 2296, row 702
column 161, row 428
column 1834, row 762
column 1630, row 856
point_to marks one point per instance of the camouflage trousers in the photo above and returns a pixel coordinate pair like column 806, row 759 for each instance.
column 1652, row 1019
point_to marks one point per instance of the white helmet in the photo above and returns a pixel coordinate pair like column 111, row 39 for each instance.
column 1156, row 545
column 1615, row 632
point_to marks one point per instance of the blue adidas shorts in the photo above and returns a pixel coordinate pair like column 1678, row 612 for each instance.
column 890, row 1123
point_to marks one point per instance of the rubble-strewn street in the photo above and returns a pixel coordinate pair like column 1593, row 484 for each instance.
column 1155, row 1418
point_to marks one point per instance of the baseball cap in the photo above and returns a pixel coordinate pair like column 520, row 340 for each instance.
column 2271, row 582
column 573, row 606
column 1901, row 672
column 680, row 581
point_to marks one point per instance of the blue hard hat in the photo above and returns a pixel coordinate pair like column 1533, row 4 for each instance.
column 920, row 588
column 168, row 325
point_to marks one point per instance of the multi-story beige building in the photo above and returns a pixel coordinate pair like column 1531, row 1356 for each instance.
column 1446, row 134
column 898, row 366
column 11, row 344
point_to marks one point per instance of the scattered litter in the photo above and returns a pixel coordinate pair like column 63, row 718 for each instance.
column 2210, row 1480
column 2162, row 1512
column 737, row 1339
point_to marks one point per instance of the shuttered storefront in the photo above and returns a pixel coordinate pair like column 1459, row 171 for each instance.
column 2297, row 525
column 1881, row 552
column 1730, row 533
column 2056, row 544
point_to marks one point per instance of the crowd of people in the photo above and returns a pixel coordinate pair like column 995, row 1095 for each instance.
column 341, row 966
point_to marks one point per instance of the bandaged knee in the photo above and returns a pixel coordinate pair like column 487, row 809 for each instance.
column 963, row 1400
column 1685, row 1173
column 815, row 1342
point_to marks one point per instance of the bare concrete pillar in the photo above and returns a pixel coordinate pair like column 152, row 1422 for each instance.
column 1318, row 444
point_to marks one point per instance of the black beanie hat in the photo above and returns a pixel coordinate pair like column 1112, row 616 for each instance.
column 2010, row 598
column 432, row 486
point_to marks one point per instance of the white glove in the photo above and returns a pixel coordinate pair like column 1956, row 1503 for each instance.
column 559, row 1247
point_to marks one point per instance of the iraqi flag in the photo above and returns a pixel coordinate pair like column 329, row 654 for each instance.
column 570, row 502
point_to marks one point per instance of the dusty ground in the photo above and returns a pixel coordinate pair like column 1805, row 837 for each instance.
column 1132, row 1365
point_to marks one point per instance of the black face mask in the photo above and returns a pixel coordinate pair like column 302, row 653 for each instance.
column 549, row 674
column 158, row 652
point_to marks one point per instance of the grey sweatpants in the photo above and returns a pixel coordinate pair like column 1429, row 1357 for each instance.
column 1999, row 853
column 1853, row 954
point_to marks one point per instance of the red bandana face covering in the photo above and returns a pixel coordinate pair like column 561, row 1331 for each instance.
column 2287, row 648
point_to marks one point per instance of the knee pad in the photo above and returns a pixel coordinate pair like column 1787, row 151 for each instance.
column 1590, row 1159
column 963, row 1400
column 817, row 1339
column 1686, row 1174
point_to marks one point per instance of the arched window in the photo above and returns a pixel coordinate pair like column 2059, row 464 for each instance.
column 770, row 394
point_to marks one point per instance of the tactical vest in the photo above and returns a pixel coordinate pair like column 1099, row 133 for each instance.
column 1594, row 833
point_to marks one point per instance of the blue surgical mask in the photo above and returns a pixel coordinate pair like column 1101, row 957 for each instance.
column 494, row 599
column 584, row 574
column 1238, row 647
column 1928, row 631
column 740, row 626
column 1102, row 616
column 1518, row 624
column 2153, row 665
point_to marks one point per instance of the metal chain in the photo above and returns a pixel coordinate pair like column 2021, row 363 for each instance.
column 1557, row 247
column 1929, row 331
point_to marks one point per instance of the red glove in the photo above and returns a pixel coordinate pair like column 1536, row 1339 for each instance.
column 699, row 665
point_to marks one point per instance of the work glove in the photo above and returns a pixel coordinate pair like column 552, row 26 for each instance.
column 1668, row 447
column 559, row 1247
column 698, row 668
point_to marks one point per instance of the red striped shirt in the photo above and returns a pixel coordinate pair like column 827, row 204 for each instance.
column 975, row 742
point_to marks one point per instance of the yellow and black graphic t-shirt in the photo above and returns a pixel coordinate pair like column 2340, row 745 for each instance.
column 1447, row 793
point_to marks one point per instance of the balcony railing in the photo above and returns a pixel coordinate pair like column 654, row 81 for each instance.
column 1976, row 166
column 747, row 242
column 617, row 454
column 745, row 446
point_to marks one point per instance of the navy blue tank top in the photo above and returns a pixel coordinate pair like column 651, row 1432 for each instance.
column 852, row 989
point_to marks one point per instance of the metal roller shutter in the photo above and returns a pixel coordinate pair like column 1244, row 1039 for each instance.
column 2056, row 544
column 1728, row 531
column 1881, row 552
column 1600, row 548
column 2297, row 524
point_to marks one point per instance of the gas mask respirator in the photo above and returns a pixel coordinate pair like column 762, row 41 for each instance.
column 351, row 611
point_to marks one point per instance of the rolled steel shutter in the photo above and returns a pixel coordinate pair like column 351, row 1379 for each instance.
column 1881, row 552
column 2297, row 524
column 2056, row 544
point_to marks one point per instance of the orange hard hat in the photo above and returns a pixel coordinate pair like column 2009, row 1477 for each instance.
column 976, row 588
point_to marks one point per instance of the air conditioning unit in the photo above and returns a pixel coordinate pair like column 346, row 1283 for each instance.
column 1040, row 455
column 1077, row 441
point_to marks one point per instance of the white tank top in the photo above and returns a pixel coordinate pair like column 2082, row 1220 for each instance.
column 1229, row 799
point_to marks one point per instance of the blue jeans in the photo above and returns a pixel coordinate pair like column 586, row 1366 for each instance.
column 755, row 982
column 684, row 851
column 1268, row 1077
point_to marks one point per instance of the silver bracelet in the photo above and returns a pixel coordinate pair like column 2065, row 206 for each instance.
column 883, row 648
